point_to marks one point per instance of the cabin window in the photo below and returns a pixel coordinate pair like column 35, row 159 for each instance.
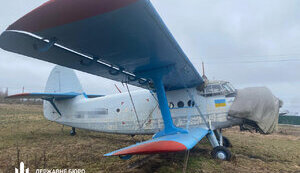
column 191, row 103
column 180, row 104
column 118, row 110
column 171, row 105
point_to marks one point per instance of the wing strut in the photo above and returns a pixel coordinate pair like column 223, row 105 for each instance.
column 136, row 115
column 169, row 128
column 196, row 104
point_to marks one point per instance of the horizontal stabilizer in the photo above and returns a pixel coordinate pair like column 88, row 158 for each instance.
column 47, row 96
column 165, row 144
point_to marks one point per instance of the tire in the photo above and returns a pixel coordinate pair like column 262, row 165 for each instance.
column 226, row 142
column 72, row 133
column 221, row 153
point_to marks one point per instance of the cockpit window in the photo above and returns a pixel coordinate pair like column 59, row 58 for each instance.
column 208, row 89
column 212, row 90
column 228, row 88
column 216, row 88
column 222, row 88
column 230, row 85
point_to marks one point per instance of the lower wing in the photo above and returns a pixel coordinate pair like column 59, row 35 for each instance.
column 169, row 143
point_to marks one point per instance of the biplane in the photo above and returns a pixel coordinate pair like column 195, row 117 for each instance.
column 125, row 41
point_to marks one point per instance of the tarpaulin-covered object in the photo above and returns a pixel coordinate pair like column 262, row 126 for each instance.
column 259, row 105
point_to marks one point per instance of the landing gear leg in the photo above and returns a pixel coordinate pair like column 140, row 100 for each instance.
column 219, row 152
column 73, row 131
column 224, row 141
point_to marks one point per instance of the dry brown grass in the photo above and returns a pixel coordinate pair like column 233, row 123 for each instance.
column 45, row 144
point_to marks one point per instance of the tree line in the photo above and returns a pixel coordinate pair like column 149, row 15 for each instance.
column 4, row 94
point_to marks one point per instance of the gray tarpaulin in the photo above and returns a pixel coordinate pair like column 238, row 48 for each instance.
column 257, row 104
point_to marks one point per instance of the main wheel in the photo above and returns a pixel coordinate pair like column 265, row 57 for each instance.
column 221, row 153
column 226, row 142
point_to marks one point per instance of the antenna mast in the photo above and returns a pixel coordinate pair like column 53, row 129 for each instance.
column 203, row 72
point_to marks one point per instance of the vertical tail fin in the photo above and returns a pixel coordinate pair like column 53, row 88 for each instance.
column 63, row 80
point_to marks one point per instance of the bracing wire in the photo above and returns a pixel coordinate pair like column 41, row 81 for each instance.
column 196, row 105
column 251, row 61
column 198, row 109
column 189, row 117
column 136, row 115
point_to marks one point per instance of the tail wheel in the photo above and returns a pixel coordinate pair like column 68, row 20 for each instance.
column 221, row 153
column 73, row 132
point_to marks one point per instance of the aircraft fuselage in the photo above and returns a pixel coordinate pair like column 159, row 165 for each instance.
column 116, row 113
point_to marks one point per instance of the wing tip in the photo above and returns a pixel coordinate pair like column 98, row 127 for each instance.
column 45, row 16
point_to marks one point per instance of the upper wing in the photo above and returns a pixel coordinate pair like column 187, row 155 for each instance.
column 170, row 143
column 115, row 39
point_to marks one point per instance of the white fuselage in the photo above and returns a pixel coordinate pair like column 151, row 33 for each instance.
column 116, row 114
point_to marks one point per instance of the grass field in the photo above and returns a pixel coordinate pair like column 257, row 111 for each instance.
column 26, row 136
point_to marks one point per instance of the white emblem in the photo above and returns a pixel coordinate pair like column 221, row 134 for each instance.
column 21, row 169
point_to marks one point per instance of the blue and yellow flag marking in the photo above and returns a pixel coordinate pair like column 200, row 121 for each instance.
column 220, row 103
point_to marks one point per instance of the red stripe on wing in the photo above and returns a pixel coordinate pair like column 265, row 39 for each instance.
column 19, row 95
column 58, row 12
column 153, row 147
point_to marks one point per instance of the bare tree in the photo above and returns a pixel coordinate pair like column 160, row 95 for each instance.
column 6, row 92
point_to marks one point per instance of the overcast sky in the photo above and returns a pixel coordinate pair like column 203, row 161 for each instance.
column 249, row 43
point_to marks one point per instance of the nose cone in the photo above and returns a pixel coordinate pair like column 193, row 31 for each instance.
column 259, row 105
